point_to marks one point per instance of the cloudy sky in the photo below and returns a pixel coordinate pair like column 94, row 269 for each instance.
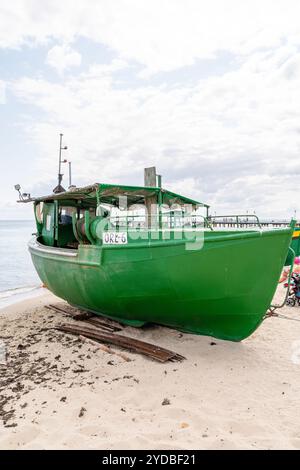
column 206, row 90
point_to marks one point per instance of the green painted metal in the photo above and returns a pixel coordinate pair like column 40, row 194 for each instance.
column 48, row 227
column 87, row 227
column 74, row 226
column 222, row 289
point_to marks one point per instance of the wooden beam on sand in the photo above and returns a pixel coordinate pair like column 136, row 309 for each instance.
column 150, row 350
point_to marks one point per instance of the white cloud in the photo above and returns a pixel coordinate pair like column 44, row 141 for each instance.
column 162, row 35
column 62, row 58
column 2, row 92
column 232, row 140
column 101, row 70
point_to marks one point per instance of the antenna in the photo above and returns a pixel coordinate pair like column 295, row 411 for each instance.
column 70, row 174
column 23, row 197
column 18, row 188
column 59, row 188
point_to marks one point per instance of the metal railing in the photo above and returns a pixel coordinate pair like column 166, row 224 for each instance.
column 163, row 221
column 239, row 220
column 173, row 221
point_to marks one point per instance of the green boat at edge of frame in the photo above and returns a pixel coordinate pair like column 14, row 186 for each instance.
column 223, row 289
column 295, row 245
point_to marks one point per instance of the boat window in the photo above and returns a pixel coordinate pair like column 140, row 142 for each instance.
column 48, row 222
column 65, row 215
column 134, row 217
column 39, row 212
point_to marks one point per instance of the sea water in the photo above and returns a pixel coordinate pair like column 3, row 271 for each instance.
column 18, row 278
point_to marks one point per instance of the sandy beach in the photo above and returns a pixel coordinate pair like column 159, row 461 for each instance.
column 58, row 392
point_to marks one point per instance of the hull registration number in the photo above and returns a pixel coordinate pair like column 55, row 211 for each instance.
column 114, row 238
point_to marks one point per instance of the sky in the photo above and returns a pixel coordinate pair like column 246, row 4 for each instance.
column 208, row 91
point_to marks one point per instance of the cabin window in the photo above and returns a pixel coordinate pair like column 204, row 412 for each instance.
column 48, row 222
column 65, row 215
column 133, row 217
column 39, row 212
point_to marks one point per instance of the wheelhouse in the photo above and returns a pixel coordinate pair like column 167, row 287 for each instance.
column 81, row 215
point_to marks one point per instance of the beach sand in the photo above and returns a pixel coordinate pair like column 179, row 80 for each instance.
column 58, row 392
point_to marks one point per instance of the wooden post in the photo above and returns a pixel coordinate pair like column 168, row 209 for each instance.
column 150, row 202
column 150, row 176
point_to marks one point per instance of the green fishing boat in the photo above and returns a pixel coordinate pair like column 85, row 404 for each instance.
column 295, row 245
column 145, row 254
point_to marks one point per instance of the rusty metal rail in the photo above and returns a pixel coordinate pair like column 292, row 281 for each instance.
column 103, row 329
column 57, row 309
column 96, row 321
column 150, row 350
column 86, row 316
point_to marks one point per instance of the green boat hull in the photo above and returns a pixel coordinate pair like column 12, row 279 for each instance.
column 295, row 245
column 222, row 290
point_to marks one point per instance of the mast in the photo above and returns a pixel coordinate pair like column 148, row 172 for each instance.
column 70, row 174
column 59, row 188
column 59, row 161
